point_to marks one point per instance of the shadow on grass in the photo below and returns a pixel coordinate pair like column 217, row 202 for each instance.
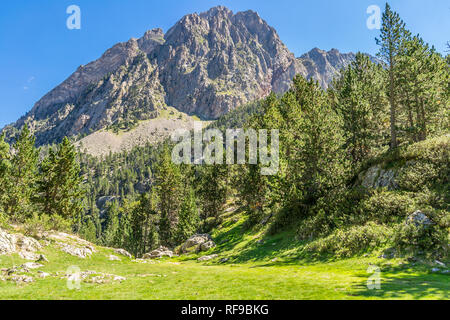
column 271, row 247
column 398, row 281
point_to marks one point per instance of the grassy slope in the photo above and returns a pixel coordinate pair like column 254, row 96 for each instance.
column 277, row 268
column 249, row 274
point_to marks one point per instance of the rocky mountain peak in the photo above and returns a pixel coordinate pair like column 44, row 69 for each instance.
column 205, row 65
column 151, row 39
column 218, row 12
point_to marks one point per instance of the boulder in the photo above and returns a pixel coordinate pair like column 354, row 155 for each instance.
column 7, row 242
column 31, row 265
column 21, row 278
column 158, row 253
column 72, row 244
column 123, row 252
column 206, row 258
column 28, row 255
column 119, row 278
column 195, row 243
column 43, row 274
column 113, row 258
column 80, row 252
column 207, row 245
column 419, row 219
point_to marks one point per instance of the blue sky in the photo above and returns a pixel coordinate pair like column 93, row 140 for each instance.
column 37, row 51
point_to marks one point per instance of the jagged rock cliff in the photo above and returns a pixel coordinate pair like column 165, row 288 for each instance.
column 206, row 64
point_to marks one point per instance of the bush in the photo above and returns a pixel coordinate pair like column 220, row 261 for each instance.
column 356, row 239
column 425, row 239
column 416, row 176
column 387, row 206
column 339, row 208
column 286, row 218
column 38, row 224
column 3, row 219
column 210, row 223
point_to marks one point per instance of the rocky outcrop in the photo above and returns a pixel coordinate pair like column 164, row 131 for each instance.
column 419, row 219
column 91, row 276
column 207, row 258
column 123, row 252
column 26, row 247
column 31, row 265
column 198, row 242
column 377, row 177
column 207, row 64
column 72, row 244
column 158, row 253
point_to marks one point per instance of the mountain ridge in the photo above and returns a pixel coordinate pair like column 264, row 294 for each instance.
column 206, row 65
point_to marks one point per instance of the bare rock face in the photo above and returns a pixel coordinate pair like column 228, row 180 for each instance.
column 207, row 64
column 26, row 247
column 323, row 66
column 214, row 61
column 377, row 177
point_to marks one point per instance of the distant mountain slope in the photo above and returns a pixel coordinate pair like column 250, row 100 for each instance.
column 206, row 65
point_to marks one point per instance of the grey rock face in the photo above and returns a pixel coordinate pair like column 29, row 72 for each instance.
column 323, row 66
column 207, row 64
column 377, row 177
column 419, row 219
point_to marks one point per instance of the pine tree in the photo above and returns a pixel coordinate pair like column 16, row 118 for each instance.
column 257, row 191
column 213, row 190
column 392, row 40
column 61, row 191
column 312, row 144
column 357, row 95
column 21, row 184
column 5, row 167
column 88, row 230
column 95, row 216
column 188, row 222
column 148, row 206
column 143, row 232
column 112, row 224
column 422, row 82
column 168, row 189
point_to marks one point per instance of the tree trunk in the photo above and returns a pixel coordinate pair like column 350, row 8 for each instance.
column 394, row 143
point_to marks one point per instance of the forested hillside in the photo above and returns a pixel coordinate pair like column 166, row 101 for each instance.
column 364, row 164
